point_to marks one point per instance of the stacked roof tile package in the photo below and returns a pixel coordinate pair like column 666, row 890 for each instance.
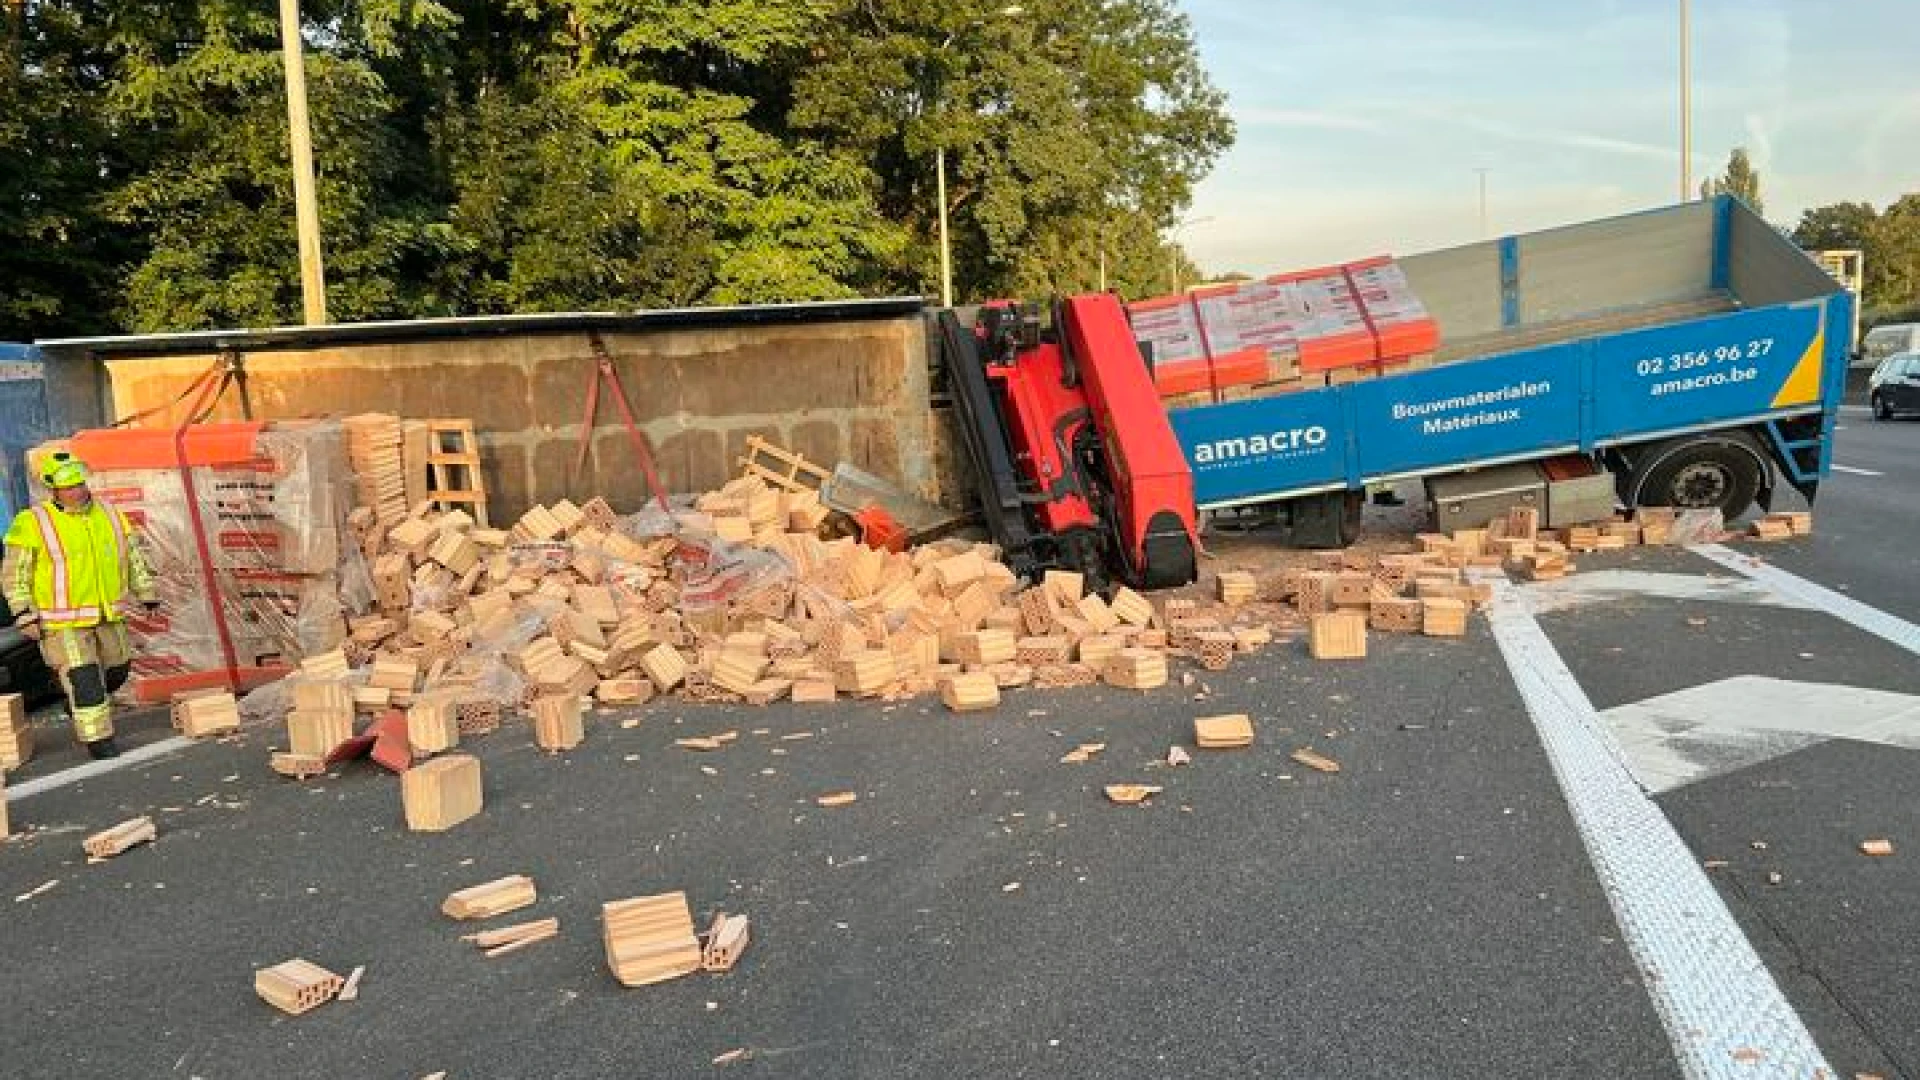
column 1289, row 332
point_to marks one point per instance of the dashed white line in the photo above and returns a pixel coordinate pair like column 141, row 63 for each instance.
column 1856, row 472
column 1717, row 1000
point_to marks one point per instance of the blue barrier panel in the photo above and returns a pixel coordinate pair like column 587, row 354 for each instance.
column 1694, row 373
column 23, row 416
column 1468, row 412
column 1251, row 448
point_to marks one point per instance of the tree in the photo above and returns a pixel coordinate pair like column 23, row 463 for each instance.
column 1740, row 181
column 214, row 197
column 1889, row 243
column 478, row 157
column 1840, row 225
column 1076, row 117
column 59, row 258
column 1893, row 255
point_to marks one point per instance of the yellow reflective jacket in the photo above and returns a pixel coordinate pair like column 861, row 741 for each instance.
column 75, row 568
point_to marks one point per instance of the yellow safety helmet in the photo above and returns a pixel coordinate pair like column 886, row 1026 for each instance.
column 63, row 470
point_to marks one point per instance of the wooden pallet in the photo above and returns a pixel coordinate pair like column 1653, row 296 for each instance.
column 453, row 469
column 782, row 467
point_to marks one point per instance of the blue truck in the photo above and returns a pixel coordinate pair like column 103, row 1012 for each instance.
column 1693, row 354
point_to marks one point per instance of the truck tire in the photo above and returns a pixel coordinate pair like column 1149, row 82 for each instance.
column 1329, row 520
column 1698, row 473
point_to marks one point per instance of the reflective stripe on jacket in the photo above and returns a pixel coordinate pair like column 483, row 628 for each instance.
column 82, row 565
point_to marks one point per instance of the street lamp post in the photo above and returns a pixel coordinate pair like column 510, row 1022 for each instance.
column 1483, row 201
column 1173, row 247
column 1686, row 110
column 306, row 205
column 940, row 169
column 946, row 248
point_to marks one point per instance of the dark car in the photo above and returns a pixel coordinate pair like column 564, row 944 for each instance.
column 22, row 671
column 1895, row 386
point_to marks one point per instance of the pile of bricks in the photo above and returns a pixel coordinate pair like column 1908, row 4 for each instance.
column 739, row 600
column 1426, row 592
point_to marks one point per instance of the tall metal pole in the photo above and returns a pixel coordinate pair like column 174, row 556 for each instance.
column 306, row 206
column 1483, row 202
column 946, row 251
column 1686, row 110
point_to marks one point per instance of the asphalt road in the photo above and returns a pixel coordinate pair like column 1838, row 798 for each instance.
column 982, row 911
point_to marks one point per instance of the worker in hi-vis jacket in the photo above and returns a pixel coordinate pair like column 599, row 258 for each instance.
column 70, row 567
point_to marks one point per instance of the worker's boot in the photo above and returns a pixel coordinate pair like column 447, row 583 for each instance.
column 101, row 749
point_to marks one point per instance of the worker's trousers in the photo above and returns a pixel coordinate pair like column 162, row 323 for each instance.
column 92, row 662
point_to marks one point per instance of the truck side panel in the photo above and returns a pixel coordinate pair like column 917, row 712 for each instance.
column 1524, row 403
column 1703, row 372
column 1248, row 449
column 1591, row 335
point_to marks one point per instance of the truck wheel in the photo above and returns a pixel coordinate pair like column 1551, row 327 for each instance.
column 1329, row 520
column 1699, row 474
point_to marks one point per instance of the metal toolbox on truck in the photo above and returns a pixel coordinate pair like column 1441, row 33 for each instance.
column 1471, row 500
column 1580, row 499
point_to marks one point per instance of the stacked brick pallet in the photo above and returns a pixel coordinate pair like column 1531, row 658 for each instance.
column 740, row 602
column 269, row 501
column 1286, row 333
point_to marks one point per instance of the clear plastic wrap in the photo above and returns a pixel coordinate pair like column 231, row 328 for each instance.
column 1698, row 527
column 272, row 503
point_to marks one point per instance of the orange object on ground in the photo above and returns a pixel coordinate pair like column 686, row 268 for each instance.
column 878, row 530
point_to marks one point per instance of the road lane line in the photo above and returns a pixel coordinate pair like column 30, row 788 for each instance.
column 1855, row 408
column 137, row 756
column 1856, row 472
column 1716, row 998
column 1793, row 587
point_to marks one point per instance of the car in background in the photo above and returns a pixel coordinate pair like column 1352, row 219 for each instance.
column 1894, row 386
column 1884, row 341
column 22, row 671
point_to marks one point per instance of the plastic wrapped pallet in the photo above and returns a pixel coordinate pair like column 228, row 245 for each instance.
column 271, row 502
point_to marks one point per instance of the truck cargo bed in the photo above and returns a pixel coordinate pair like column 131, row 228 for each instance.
column 1518, row 338
column 1687, row 319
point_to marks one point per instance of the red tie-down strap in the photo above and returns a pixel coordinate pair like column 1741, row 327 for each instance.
column 604, row 371
column 205, row 398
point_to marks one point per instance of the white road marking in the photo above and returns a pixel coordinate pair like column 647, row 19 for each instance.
column 1856, row 472
column 136, row 756
column 1856, row 409
column 1845, row 608
column 1612, row 586
column 1705, row 731
column 1710, row 989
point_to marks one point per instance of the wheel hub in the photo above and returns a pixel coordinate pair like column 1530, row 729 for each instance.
column 1700, row 484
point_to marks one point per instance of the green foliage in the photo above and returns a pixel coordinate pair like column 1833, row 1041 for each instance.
column 1893, row 255
column 1740, row 181
column 1889, row 242
column 1839, row 226
column 58, row 255
column 478, row 157
column 1070, row 119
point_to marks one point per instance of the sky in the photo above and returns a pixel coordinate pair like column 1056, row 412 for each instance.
column 1361, row 126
